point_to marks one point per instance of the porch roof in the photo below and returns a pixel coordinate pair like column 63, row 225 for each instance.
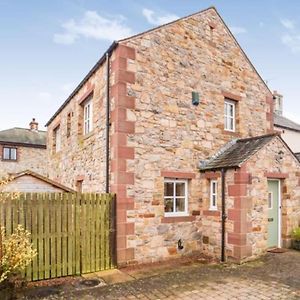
column 235, row 153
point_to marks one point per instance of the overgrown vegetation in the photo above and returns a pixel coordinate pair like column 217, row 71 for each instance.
column 16, row 250
column 296, row 234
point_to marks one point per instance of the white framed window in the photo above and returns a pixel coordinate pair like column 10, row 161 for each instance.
column 88, row 117
column 270, row 200
column 176, row 197
column 213, row 195
column 57, row 139
column 9, row 153
column 229, row 115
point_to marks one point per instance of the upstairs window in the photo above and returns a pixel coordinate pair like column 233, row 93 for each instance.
column 229, row 115
column 175, row 197
column 87, row 117
column 9, row 153
column 56, row 139
column 213, row 195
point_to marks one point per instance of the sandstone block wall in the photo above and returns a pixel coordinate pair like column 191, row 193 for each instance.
column 273, row 161
column 28, row 158
column 172, row 135
column 82, row 157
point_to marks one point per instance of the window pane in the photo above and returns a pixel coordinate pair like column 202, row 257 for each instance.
column 231, row 124
column 5, row 153
column 13, row 154
column 169, row 204
column 230, row 113
column 270, row 200
column 213, row 187
column 214, row 202
column 169, row 189
column 180, row 189
column 180, row 204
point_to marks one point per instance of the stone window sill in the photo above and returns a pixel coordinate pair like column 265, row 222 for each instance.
column 178, row 219
column 233, row 133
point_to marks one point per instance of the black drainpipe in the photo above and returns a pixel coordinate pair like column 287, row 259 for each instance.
column 107, row 123
column 224, row 216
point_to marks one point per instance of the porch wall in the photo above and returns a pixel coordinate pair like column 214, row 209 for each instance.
column 275, row 162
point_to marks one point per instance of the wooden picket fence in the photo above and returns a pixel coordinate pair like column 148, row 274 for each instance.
column 73, row 233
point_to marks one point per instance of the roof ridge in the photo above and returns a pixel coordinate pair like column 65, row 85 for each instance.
column 28, row 129
column 169, row 23
column 258, row 137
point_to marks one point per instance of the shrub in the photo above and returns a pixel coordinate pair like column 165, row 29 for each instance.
column 17, row 252
column 296, row 234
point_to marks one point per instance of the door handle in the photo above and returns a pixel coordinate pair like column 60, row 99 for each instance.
column 270, row 219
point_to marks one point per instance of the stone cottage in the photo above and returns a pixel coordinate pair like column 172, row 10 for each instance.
column 22, row 149
column 178, row 123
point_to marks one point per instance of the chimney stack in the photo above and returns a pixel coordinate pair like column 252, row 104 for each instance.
column 278, row 99
column 33, row 125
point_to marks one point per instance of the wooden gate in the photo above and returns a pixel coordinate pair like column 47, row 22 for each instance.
column 73, row 233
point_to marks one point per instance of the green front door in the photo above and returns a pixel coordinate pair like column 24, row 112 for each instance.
column 273, row 218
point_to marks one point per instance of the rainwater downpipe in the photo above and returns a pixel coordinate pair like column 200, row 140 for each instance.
column 224, row 216
column 107, row 124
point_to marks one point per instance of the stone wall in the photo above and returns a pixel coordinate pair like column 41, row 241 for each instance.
column 28, row 158
column 157, row 133
column 273, row 161
column 172, row 135
column 82, row 158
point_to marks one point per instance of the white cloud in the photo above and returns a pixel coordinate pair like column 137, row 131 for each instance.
column 93, row 26
column 155, row 19
column 237, row 29
column 292, row 41
column 288, row 24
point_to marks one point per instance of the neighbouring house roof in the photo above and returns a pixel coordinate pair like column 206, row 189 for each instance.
column 40, row 177
column 23, row 137
column 284, row 122
column 235, row 153
column 112, row 47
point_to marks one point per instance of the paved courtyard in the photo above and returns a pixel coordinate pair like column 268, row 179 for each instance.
column 275, row 276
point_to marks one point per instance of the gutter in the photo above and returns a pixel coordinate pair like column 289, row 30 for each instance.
column 41, row 146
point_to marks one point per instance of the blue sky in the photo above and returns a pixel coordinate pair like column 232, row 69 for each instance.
column 48, row 46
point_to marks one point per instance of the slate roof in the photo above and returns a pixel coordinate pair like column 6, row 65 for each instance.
column 23, row 136
column 298, row 155
column 284, row 122
column 235, row 153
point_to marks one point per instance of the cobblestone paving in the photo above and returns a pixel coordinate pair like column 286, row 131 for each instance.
column 274, row 277
column 228, row 289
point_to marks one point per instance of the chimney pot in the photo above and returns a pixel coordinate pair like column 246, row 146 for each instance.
column 33, row 125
